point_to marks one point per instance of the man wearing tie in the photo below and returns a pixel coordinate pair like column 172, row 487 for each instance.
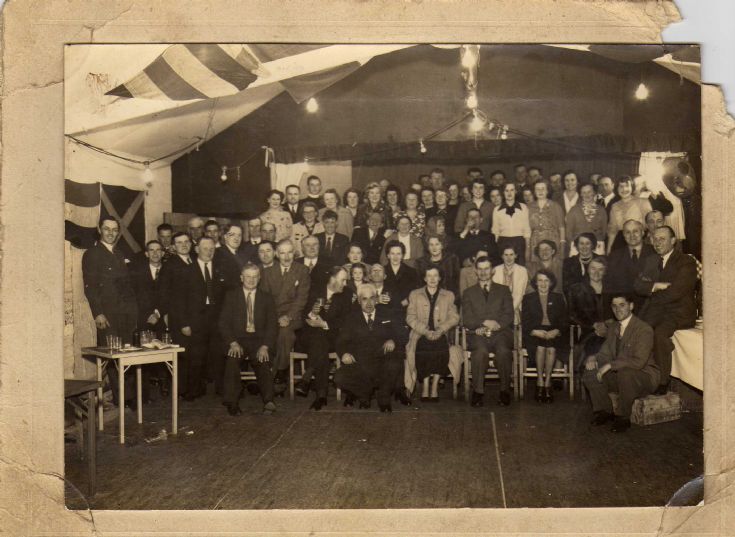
column 333, row 245
column 487, row 309
column 317, row 267
column 326, row 310
column 372, row 238
column 250, row 248
column 668, row 280
column 248, row 326
column 230, row 257
column 293, row 203
column 366, row 346
column 288, row 283
column 624, row 264
column 624, row 365
column 472, row 239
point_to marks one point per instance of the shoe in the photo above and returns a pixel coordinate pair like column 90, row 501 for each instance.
column 233, row 409
column 548, row 395
column 504, row 398
column 434, row 399
column 349, row 400
column 365, row 404
column 318, row 403
column 302, row 390
column 425, row 399
column 385, row 408
column 539, row 397
column 601, row 417
column 620, row 425
column 402, row 397
column 269, row 407
column 662, row 389
column 476, row 399
column 252, row 388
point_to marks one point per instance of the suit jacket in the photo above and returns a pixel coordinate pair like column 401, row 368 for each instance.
column 417, row 250
column 340, row 245
column 446, row 316
column 371, row 248
column 607, row 207
column 290, row 292
column 319, row 273
column 572, row 273
column 497, row 307
column 250, row 252
column 356, row 339
column 196, row 295
column 295, row 216
column 233, row 318
column 677, row 302
column 175, row 279
column 231, row 265
column 584, row 307
column 622, row 271
column 635, row 350
column 148, row 292
column 469, row 245
column 107, row 282
column 401, row 283
column 533, row 315
column 333, row 312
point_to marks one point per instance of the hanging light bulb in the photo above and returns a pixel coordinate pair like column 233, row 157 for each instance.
column 223, row 177
column 312, row 106
column 147, row 174
column 477, row 123
column 472, row 100
column 504, row 134
column 641, row 92
column 422, row 147
column 469, row 55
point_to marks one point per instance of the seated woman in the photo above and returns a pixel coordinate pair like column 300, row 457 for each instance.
column 431, row 315
column 589, row 308
column 448, row 264
column 513, row 276
column 545, row 258
column 545, row 325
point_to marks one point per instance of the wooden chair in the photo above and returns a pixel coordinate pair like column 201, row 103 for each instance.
column 492, row 371
column 301, row 358
column 566, row 371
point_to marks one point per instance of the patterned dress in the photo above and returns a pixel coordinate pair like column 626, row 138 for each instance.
column 545, row 222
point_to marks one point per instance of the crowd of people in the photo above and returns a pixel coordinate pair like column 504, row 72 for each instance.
column 384, row 278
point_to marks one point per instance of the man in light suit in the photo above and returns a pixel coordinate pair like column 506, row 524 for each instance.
column 487, row 310
column 248, row 325
column 624, row 365
column 668, row 280
column 288, row 283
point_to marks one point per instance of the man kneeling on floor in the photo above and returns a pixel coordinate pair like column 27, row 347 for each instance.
column 366, row 343
column 248, row 324
column 624, row 365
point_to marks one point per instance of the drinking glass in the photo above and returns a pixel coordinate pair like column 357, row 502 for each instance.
column 109, row 340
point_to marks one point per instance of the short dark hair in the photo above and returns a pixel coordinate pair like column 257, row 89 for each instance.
column 306, row 204
column 422, row 175
column 427, row 189
column 474, row 170
column 395, row 244
column 437, row 170
column 427, row 268
column 534, row 168
column 587, row 235
column 228, row 226
column 108, row 218
column 519, row 166
column 547, row 242
column 311, row 177
column 180, row 234
column 482, row 259
column 297, row 187
column 355, row 245
column 153, row 241
column 332, row 272
column 478, row 181
column 275, row 191
column 670, row 230
column 348, row 191
column 508, row 246
column 601, row 259
column 329, row 215
column 496, row 172
column 548, row 274
column 164, row 227
column 628, row 297
column 211, row 222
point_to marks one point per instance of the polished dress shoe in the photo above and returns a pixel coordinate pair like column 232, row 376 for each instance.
column 434, row 399
column 620, row 425
column 269, row 407
column 365, row 404
column 601, row 417
column 385, row 408
column 302, row 390
column 548, row 395
column 425, row 398
column 476, row 399
column 318, row 403
column 233, row 409
column 539, row 397
column 504, row 398
column 402, row 397
column 662, row 389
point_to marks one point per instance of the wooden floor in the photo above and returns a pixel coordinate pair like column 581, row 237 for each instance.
column 428, row 455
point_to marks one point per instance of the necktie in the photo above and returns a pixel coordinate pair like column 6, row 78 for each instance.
column 486, row 290
column 250, row 325
column 661, row 265
column 329, row 246
column 635, row 256
column 370, row 322
column 285, row 271
column 208, row 283
column 155, row 274
column 618, row 338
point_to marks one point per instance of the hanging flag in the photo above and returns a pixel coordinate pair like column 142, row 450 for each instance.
column 81, row 213
column 127, row 206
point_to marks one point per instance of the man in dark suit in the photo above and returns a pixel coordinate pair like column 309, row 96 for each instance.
column 624, row 264
column 624, row 365
column 472, row 239
column 109, row 290
column 606, row 196
column 668, row 280
column 366, row 346
column 229, row 256
column 288, row 283
column 205, row 290
column 333, row 245
column 314, row 191
column 250, row 247
column 326, row 310
column 164, row 234
column 487, row 310
column 371, row 239
column 318, row 268
column 248, row 324
column 293, row 204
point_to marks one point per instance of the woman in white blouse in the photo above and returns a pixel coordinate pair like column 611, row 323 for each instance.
column 627, row 208
column 513, row 276
column 570, row 196
column 511, row 225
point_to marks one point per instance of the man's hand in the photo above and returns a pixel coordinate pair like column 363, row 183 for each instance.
column 389, row 346
column 404, row 302
column 348, row 359
column 262, row 354
column 314, row 323
column 660, row 286
column 101, row 322
column 491, row 325
column 600, row 329
column 316, row 308
column 601, row 372
column 433, row 335
column 236, row 350
column 384, row 298
column 284, row 321
column 590, row 364
column 388, row 233
column 186, row 330
column 152, row 318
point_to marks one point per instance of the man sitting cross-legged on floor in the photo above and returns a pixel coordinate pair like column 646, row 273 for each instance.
column 366, row 344
column 625, row 364
column 326, row 310
column 248, row 324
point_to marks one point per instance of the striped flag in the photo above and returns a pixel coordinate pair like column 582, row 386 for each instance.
column 81, row 213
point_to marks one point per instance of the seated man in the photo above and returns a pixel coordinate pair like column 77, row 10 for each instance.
column 248, row 324
column 668, row 280
column 624, row 365
column 366, row 345
column 326, row 310
column 487, row 309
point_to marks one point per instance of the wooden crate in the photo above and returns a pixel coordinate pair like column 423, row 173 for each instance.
column 652, row 409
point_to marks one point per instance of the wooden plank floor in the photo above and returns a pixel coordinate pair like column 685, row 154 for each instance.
column 428, row 455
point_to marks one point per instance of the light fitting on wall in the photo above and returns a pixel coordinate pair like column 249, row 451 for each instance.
column 422, row 147
column 147, row 175
column 641, row 92
column 223, row 177
column 312, row 106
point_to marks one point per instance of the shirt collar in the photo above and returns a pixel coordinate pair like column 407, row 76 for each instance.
column 666, row 257
column 108, row 246
column 624, row 324
column 245, row 292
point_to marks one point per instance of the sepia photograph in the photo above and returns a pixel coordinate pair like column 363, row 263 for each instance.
column 382, row 276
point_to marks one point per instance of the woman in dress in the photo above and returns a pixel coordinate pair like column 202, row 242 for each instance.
column 587, row 217
column 373, row 204
column 570, row 195
column 514, row 277
column 546, row 218
column 545, row 258
column 627, row 208
column 447, row 263
column 545, row 325
column 415, row 212
column 431, row 315
column 495, row 195
column 351, row 201
column 277, row 215
column 393, row 200
column 511, row 226
column 358, row 278
column 589, row 308
column 345, row 221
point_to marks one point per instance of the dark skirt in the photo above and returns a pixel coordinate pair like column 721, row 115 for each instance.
column 518, row 243
column 531, row 343
column 432, row 357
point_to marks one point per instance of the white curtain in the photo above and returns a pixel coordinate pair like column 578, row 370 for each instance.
column 651, row 168
column 334, row 174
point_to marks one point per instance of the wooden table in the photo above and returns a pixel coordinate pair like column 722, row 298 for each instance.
column 72, row 390
column 124, row 361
